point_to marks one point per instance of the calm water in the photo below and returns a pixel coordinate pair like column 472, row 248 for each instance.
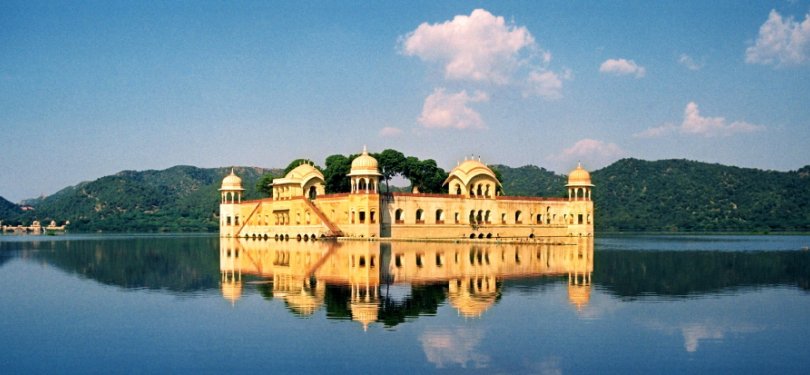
column 623, row 304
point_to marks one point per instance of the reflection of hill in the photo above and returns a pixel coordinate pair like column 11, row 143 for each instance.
column 176, row 264
column 691, row 273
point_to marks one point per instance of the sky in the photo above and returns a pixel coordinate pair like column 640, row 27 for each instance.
column 88, row 89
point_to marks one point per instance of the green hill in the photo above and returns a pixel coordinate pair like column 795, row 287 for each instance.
column 180, row 198
column 630, row 195
column 688, row 196
column 8, row 211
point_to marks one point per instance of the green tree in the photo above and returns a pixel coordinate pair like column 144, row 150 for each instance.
column 337, row 167
column 265, row 184
column 390, row 163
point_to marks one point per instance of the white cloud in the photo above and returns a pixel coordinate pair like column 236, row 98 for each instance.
column 478, row 47
column 695, row 124
column 591, row 152
column 546, row 84
column 689, row 62
column 450, row 110
column 622, row 67
column 457, row 347
column 781, row 42
column 390, row 132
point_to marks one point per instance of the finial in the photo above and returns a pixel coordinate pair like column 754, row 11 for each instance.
column 232, row 171
column 479, row 158
column 365, row 151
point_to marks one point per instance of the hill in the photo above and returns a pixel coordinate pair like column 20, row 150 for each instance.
column 181, row 198
column 630, row 195
column 8, row 210
column 688, row 196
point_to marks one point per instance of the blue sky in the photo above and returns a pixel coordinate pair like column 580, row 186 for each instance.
column 88, row 89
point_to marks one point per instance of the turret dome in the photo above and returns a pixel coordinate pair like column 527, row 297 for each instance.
column 579, row 177
column 232, row 182
column 364, row 164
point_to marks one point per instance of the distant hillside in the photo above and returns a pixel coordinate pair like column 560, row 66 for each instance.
column 8, row 211
column 180, row 198
column 630, row 195
column 532, row 181
column 683, row 196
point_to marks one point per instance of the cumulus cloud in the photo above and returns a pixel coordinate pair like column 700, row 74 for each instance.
column 622, row 67
column 689, row 62
column 481, row 48
column 451, row 110
column 478, row 47
column 546, row 84
column 390, row 132
column 695, row 124
column 592, row 153
column 781, row 42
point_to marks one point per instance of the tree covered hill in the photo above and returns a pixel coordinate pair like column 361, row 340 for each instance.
column 684, row 196
column 630, row 195
column 181, row 198
column 8, row 209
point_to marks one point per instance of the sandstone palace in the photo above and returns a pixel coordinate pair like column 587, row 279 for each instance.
column 471, row 209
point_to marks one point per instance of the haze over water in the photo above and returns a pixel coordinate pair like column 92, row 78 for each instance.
column 92, row 303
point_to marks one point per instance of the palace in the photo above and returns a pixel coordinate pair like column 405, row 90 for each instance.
column 471, row 209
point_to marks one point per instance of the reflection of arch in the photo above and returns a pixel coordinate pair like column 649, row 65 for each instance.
column 486, row 217
column 518, row 217
column 439, row 216
column 398, row 218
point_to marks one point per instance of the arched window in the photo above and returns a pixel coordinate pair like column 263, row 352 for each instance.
column 458, row 189
column 361, row 185
column 487, row 217
column 420, row 216
column 518, row 217
column 398, row 217
column 539, row 219
column 439, row 217
column 472, row 217
column 313, row 192
column 479, row 192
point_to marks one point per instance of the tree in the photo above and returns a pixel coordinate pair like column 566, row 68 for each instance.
column 424, row 175
column 391, row 163
column 265, row 184
column 337, row 167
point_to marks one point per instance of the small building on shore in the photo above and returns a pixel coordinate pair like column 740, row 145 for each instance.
column 472, row 208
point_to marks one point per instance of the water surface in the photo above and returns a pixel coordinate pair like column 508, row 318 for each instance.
column 182, row 304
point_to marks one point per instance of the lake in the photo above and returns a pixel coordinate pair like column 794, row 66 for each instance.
column 615, row 304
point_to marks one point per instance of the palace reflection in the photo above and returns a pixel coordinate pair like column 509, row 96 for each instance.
column 352, row 279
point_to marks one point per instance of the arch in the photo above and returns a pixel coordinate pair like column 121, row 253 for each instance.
column 361, row 184
column 480, row 235
column 472, row 236
column 398, row 216
column 480, row 216
column 298, row 237
column 458, row 189
column 487, row 217
column 306, row 237
column 479, row 191
column 472, row 217
column 439, row 216
column 539, row 219
column 518, row 217
column 420, row 216
column 313, row 193
column 489, row 235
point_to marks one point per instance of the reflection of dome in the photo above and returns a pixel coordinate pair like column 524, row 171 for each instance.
column 364, row 164
column 579, row 177
column 302, row 304
column 231, row 182
column 364, row 312
column 232, row 290
column 579, row 295
column 472, row 297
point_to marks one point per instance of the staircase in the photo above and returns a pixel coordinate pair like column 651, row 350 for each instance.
column 244, row 222
column 334, row 231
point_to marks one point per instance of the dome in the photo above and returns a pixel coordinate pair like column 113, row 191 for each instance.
column 304, row 172
column 469, row 169
column 231, row 182
column 364, row 164
column 579, row 177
